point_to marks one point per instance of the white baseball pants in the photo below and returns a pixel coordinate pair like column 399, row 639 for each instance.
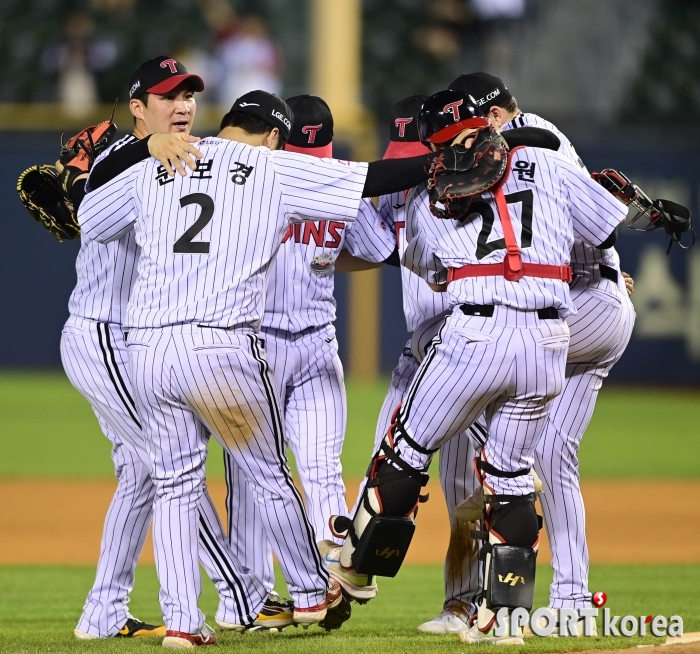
column 95, row 360
column 308, row 378
column 600, row 333
column 510, row 367
column 191, row 381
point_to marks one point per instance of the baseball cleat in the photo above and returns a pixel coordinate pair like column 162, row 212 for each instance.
column 132, row 629
column 474, row 636
column 527, row 632
column 445, row 623
column 356, row 586
column 315, row 614
column 276, row 613
column 182, row 640
column 337, row 615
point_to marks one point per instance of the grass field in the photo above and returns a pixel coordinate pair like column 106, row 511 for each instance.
column 48, row 430
column 39, row 607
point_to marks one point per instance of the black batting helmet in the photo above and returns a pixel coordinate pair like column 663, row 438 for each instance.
column 446, row 113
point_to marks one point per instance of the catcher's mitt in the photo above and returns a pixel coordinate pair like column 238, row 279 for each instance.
column 458, row 174
column 675, row 219
column 42, row 195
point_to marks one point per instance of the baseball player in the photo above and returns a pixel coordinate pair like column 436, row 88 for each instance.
column 94, row 357
column 501, row 350
column 197, row 364
column 599, row 333
column 420, row 304
column 302, row 352
column 425, row 311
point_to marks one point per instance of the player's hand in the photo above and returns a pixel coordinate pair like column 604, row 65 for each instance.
column 629, row 283
column 174, row 149
column 59, row 167
column 465, row 138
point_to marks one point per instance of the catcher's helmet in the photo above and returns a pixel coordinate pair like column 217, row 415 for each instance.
column 446, row 113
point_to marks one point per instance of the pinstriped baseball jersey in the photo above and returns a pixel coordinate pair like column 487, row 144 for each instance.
column 105, row 275
column 584, row 257
column 420, row 302
column 229, row 247
column 550, row 200
column 300, row 287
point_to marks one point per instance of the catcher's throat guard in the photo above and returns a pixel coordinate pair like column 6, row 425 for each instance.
column 382, row 527
column 458, row 174
column 648, row 214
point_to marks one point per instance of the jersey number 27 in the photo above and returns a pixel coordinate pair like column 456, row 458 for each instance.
column 485, row 247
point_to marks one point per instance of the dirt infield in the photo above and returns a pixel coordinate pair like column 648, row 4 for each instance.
column 60, row 522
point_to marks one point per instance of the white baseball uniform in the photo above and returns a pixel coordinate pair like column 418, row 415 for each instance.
column 207, row 242
column 510, row 365
column 599, row 333
column 302, row 352
column 94, row 357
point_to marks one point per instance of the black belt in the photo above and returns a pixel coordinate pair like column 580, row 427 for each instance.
column 486, row 311
column 608, row 273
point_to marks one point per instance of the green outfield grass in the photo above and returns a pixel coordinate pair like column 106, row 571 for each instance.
column 48, row 429
column 40, row 605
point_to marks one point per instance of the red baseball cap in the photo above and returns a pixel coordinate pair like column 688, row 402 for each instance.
column 161, row 75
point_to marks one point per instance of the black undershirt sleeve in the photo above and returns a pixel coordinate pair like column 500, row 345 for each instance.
column 535, row 137
column 610, row 241
column 393, row 175
column 117, row 161
column 393, row 259
column 77, row 192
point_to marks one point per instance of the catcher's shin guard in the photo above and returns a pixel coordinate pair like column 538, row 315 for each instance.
column 509, row 556
column 383, row 526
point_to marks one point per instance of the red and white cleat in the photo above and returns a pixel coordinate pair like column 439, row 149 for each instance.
column 182, row 640
column 314, row 614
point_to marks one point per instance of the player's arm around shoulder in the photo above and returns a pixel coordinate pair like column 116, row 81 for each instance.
column 596, row 213
column 110, row 211
column 319, row 189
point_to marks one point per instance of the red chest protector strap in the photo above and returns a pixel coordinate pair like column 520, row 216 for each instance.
column 512, row 267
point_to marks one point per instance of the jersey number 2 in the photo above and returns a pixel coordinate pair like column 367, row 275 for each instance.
column 185, row 244
column 484, row 247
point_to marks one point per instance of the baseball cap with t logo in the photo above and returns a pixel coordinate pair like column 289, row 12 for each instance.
column 403, row 129
column 160, row 76
column 312, row 132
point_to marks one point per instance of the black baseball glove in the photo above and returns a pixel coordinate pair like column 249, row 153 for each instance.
column 46, row 193
column 458, row 174
column 41, row 193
